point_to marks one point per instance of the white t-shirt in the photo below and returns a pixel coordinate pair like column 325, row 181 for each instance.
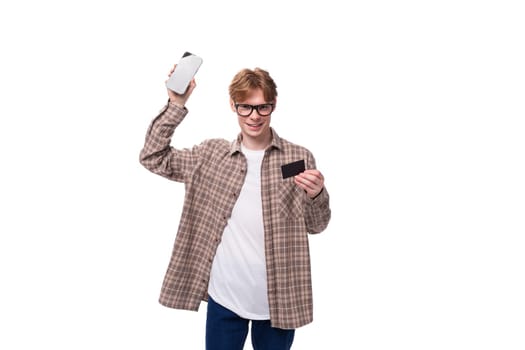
column 238, row 274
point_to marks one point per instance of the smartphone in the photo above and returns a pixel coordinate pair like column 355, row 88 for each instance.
column 184, row 72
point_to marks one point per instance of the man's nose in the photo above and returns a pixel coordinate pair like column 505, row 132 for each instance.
column 255, row 114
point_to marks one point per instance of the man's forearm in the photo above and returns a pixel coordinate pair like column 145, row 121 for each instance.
column 318, row 212
column 153, row 155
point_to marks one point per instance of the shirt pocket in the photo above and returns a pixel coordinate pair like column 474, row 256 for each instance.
column 290, row 200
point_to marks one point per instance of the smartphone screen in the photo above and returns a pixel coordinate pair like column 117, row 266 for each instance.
column 184, row 72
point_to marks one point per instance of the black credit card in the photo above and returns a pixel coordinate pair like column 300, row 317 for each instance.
column 292, row 169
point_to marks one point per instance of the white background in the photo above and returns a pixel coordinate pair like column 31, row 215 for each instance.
column 414, row 111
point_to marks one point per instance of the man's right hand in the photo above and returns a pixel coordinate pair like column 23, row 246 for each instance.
column 177, row 99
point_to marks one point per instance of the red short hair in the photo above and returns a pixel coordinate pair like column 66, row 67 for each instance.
column 248, row 80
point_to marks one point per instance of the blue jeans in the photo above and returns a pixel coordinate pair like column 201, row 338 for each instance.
column 225, row 330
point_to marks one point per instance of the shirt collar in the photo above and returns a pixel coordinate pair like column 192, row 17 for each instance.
column 236, row 145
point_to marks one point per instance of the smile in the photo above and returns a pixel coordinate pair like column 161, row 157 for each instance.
column 255, row 125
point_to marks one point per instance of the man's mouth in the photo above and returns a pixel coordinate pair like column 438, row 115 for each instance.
column 255, row 126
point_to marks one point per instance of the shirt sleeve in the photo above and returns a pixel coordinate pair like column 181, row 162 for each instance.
column 317, row 210
column 158, row 156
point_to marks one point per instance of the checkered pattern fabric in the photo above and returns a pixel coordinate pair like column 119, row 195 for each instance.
column 213, row 173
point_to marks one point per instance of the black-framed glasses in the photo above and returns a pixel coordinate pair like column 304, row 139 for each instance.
column 245, row 110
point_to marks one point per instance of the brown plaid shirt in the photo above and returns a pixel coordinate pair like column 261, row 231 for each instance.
column 213, row 173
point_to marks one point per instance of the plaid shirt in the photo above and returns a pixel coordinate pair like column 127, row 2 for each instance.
column 213, row 173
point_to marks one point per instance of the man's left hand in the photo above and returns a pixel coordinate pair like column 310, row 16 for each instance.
column 311, row 180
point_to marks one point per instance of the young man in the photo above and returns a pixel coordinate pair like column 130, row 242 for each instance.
column 242, row 242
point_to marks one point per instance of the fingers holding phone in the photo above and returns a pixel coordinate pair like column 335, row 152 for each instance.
column 179, row 99
column 181, row 80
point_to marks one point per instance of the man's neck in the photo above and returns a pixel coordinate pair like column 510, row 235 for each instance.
column 255, row 143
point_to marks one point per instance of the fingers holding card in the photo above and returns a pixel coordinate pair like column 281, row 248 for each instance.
column 311, row 180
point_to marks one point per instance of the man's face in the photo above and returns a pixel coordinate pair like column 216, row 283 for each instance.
column 255, row 126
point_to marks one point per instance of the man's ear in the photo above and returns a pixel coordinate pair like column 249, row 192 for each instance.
column 232, row 105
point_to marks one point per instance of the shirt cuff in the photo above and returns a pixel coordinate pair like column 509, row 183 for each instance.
column 173, row 104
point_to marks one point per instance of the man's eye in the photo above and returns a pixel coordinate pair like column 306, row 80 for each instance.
column 265, row 107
